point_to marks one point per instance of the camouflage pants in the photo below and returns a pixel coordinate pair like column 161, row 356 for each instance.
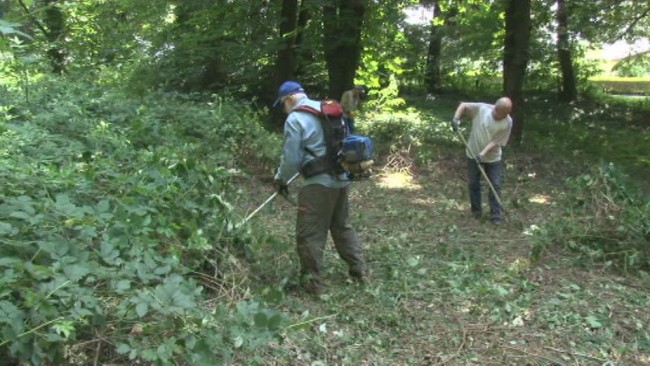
column 322, row 210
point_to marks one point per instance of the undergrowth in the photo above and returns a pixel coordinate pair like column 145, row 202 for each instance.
column 119, row 241
column 606, row 221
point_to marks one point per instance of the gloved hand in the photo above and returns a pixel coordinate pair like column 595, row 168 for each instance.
column 479, row 158
column 455, row 122
column 281, row 187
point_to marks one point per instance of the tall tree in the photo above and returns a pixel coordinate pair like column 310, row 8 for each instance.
column 515, row 60
column 432, row 77
column 343, row 21
column 568, row 91
column 286, row 61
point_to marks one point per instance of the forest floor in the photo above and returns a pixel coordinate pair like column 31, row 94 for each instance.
column 447, row 289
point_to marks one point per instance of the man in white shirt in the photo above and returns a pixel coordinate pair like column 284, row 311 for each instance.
column 491, row 126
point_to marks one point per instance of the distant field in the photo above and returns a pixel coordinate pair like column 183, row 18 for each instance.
column 618, row 85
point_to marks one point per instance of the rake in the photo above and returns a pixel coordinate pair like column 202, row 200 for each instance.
column 494, row 191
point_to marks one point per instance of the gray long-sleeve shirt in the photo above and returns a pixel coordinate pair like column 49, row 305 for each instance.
column 302, row 133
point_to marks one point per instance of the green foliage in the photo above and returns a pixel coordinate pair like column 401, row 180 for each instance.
column 638, row 66
column 204, row 46
column 117, row 226
column 606, row 221
column 408, row 132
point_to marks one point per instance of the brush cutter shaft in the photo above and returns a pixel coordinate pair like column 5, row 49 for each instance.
column 496, row 195
column 268, row 200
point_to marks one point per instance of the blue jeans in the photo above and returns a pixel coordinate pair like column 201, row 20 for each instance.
column 494, row 172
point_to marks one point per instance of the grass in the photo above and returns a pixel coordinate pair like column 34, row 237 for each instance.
column 622, row 85
column 446, row 289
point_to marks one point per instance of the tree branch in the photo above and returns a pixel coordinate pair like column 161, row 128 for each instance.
column 33, row 18
column 634, row 22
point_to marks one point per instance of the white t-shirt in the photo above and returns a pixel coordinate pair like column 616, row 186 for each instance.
column 485, row 129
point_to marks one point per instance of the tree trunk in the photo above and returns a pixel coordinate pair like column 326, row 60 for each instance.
column 343, row 20
column 515, row 60
column 569, row 91
column 286, row 62
column 303, row 56
column 55, row 23
column 432, row 77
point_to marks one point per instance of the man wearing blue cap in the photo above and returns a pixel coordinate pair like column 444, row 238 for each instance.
column 323, row 204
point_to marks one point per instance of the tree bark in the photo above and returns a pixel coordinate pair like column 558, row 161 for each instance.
column 515, row 61
column 304, row 56
column 568, row 91
column 286, row 62
column 432, row 76
column 343, row 21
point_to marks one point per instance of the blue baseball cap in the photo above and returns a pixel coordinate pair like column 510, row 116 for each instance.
column 287, row 88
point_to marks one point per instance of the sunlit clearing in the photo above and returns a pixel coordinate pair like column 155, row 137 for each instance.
column 540, row 198
column 398, row 180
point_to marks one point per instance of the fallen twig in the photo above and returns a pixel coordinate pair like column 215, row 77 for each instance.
column 576, row 354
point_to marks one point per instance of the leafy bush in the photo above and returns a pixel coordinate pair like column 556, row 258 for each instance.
column 407, row 132
column 117, row 231
column 606, row 221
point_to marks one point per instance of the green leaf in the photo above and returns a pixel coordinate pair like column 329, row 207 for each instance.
column 275, row 321
column 413, row 261
column 64, row 328
column 9, row 261
column 141, row 309
column 20, row 215
column 593, row 322
column 103, row 206
column 122, row 348
column 261, row 320
column 76, row 272
column 501, row 290
column 239, row 341
column 6, row 229
column 10, row 314
column 123, row 285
